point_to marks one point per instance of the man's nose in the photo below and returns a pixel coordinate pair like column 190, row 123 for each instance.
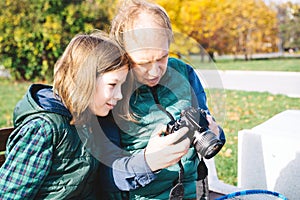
column 154, row 69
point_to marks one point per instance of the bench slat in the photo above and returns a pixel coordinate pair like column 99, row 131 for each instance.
column 4, row 134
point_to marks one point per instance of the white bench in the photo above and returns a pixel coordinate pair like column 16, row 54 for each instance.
column 269, row 155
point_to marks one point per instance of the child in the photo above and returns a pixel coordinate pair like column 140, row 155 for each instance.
column 45, row 157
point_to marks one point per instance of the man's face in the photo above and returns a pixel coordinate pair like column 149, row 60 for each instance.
column 147, row 45
column 149, row 65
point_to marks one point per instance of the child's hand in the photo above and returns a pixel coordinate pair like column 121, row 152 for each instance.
column 164, row 151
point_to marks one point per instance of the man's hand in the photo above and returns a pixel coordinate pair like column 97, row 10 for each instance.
column 213, row 126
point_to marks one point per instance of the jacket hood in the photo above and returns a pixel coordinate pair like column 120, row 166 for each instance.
column 38, row 99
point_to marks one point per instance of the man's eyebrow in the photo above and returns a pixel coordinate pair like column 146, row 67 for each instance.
column 157, row 59
column 163, row 56
column 142, row 62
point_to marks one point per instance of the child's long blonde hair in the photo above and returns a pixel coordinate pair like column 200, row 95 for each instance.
column 75, row 73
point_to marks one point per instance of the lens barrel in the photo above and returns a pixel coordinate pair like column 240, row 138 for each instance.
column 206, row 143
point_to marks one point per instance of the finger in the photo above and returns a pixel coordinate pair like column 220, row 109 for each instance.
column 174, row 137
column 182, row 146
column 209, row 119
column 160, row 128
column 179, row 149
column 186, row 143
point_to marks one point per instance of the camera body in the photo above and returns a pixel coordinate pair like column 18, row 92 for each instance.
column 206, row 143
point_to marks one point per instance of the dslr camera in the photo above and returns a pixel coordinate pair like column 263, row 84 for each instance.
column 206, row 143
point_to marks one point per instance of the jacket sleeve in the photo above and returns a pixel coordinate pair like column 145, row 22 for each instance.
column 199, row 96
column 121, row 170
column 28, row 161
column 132, row 172
column 126, row 173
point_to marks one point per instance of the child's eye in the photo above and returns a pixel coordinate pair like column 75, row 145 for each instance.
column 112, row 84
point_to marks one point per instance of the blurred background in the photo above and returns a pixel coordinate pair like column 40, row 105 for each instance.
column 33, row 34
column 236, row 34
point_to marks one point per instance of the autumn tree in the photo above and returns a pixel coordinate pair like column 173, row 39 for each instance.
column 33, row 34
column 226, row 26
column 289, row 20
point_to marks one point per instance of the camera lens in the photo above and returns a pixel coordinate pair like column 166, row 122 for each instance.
column 207, row 144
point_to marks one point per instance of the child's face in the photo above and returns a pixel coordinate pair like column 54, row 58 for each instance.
column 108, row 91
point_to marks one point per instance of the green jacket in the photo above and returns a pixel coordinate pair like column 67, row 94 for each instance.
column 174, row 94
column 45, row 155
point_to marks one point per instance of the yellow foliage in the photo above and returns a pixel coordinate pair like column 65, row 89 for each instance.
column 50, row 45
column 226, row 153
column 270, row 98
column 226, row 26
column 18, row 34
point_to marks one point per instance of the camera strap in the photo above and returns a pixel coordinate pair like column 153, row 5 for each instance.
column 202, row 182
column 177, row 192
column 160, row 107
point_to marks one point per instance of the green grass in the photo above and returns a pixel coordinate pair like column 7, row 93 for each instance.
column 283, row 64
column 245, row 110
column 288, row 64
column 10, row 94
column 241, row 110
